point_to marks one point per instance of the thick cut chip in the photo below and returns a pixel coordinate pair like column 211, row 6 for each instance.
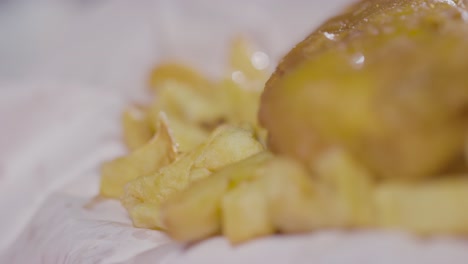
column 241, row 89
column 246, row 213
column 158, row 152
column 195, row 213
column 137, row 128
column 351, row 185
column 226, row 145
column 187, row 136
column 242, row 103
column 174, row 72
column 252, row 198
column 143, row 196
column 180, row 101
column 297, row 202
column 428, row 208
column 188, row 97
column 247, row 63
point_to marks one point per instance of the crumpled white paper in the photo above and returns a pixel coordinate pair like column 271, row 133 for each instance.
column 67, row 69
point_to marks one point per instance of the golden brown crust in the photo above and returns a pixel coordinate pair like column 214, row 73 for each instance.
column 364, row 81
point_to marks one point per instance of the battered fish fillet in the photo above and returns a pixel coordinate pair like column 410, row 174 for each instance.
column 386, row 81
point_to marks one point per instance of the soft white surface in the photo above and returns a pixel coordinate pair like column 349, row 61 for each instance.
column 67, row 68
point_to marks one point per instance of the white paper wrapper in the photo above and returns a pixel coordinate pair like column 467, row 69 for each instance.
column 60, row 101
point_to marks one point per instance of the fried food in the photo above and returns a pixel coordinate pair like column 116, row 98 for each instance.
column 246, row 213
column 366, row 128
column 432, row 207
column 247, row 64
column 161, row 150
column 143, row 196
column 182, row 102
column 249, row 69
column 351, row 187
column 194, row 213
column 255, row 197
column 137, row 129
column 177, row 73
column 187, row 136
column 194, row 105
column 385, row 81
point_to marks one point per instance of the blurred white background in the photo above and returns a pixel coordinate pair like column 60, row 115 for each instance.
column 114, row 42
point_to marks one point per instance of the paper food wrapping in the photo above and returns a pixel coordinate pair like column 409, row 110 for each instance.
column 67, row 70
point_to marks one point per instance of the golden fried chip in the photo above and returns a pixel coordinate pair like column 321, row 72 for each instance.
column 158, row 152
column 148, row 192
column 241, row 89
column 430, row 207
column 137, row 130
column 251, row 198
column 247, row 63
column 298, row 203
column 242, row 103
column 351, row 185
column 186, row 135
column 226, row 145
column 174, row 72
column 182, row 102
column 246, row 213
column 195, row 213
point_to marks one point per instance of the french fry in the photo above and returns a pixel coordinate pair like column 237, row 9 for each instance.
column 226, row 145
column 434, row 207
column 137, row 129
column 161, row 150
